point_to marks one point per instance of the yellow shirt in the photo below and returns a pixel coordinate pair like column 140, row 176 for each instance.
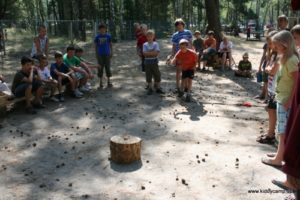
column 285, row 81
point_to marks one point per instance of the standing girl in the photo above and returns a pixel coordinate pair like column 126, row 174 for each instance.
column 285, row 83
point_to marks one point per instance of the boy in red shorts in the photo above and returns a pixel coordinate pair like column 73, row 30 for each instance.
column 186, row 59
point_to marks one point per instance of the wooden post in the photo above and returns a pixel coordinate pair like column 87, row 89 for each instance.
column 125, row 149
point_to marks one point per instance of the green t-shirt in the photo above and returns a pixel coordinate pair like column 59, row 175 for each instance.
column 285, row 81
column 198, row 44
column 71, row 62
column 244, row 65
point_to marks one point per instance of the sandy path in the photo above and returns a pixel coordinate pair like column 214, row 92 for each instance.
column 209, row 144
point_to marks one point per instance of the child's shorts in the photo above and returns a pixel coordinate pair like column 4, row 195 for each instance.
column 152, row 70
column 282, row 118
column 79, row 75
column 20, row 89
column 272, row 103
column 187, row 74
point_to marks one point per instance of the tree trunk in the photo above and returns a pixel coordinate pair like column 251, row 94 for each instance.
column 213, row 18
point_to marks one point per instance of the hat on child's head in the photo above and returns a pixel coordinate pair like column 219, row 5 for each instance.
column 245, row 55
column 183, row 41
column 197, row 32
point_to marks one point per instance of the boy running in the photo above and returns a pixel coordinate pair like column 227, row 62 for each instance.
column 186, row 60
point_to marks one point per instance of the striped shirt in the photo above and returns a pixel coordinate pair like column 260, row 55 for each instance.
column 185, row 34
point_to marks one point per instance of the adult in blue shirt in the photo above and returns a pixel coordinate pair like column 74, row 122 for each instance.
column 181, row 33
column 103, row 48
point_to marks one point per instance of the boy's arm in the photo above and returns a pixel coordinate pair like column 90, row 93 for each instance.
column 87, row 69
column 263, row 57
column 151, row 54
column 240, row 66
column 37, row 45
column 173, row 49
column 47, row 47
column 30, row 78
column 111, row 49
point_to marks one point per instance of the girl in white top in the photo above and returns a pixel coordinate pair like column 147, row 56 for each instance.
column 225, row 50
column 40, row 43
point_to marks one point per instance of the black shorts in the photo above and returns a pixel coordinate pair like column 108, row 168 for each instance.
column 187, row 74
column 64, row 80
column 272, row 103
column 20, row 89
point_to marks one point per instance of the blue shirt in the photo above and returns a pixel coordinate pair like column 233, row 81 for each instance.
column 102, row 42
column 63, row 68
column 185, row 34
column 148, row 47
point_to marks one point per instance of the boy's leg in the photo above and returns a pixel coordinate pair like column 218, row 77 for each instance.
column 28, row 96
column 157, row 79
column 59, row 84
column 189, row 84
column 178, row 77
column 54, row 85
column 230, row 59
column 224, row 57
column 37, row 86
column 108, row 70
column 148, row 76
column 100, row 70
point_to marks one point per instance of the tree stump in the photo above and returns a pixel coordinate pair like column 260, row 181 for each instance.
column 125, row 149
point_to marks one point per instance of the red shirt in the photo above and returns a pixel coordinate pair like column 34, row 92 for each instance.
column 186, row 60
column 210, row 42
column 138, row 33
column 141, row 40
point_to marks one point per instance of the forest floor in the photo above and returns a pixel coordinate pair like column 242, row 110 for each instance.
column 203, row 150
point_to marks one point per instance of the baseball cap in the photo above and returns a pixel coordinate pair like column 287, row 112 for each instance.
column 183, row 41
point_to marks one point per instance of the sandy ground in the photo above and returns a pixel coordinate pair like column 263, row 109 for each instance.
column 203, row 150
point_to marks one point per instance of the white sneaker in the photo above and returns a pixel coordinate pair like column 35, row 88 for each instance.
column 77, row 92
column 83, row 89
column 54, row 98
column 88, row 86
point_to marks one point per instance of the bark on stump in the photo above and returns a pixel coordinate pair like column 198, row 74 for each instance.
column 125, row 149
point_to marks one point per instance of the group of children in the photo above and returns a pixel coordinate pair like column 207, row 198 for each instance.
column 281, row 70
column 69, row 69
column 187, row 55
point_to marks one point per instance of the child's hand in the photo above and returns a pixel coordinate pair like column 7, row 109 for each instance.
column 268, row 69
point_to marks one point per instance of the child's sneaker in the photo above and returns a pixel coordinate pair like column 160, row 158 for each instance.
column 150, row 91
column 159, row 91
column 188, row 98
column 180, row 93
column 54, row 99
column 88, row 86
column 77, row 91
column 83, row 89
column 109, row 84
column 77, row 94
column 61, row 98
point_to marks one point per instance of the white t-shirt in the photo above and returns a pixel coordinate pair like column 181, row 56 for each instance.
column 227, row 46
column 45, row 73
